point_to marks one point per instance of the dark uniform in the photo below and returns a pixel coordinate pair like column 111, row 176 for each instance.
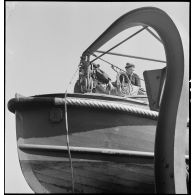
column 133, row 77
column 135, row 80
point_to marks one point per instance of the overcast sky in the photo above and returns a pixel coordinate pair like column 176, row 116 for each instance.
column 44, row 42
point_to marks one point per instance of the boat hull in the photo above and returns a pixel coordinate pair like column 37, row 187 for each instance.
column 111, row 150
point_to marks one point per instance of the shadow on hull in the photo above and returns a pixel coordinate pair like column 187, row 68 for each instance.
column 112, row 149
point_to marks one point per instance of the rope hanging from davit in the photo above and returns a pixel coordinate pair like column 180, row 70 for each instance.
column 67, row 133
column 170, row 133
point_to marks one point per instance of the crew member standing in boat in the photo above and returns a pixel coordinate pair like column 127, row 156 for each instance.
column 133, row 77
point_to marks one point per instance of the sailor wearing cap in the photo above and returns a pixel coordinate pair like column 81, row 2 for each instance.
column 133, row 77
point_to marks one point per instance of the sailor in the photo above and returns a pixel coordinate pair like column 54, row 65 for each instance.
column 133, row 77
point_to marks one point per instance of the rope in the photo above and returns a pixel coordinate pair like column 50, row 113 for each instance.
column 113, row 106
column 112, row 65
column 68, row 145
column 67, row 135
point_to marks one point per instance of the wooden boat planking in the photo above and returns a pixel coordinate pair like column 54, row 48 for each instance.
column 170, row 170
column 119, row 142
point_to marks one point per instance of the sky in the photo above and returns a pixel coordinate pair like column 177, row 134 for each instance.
column 44, row 42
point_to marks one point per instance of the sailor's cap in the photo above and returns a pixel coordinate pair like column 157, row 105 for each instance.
column 128, row 65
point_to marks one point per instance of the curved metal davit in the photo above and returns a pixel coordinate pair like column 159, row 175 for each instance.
column 169, row 144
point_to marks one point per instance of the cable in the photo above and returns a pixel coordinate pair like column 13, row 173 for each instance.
column 112, row 65
column 67, row 135
column 143, row 28
column 130, row 56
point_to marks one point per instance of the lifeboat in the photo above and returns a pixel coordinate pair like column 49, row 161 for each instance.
column 103, row 140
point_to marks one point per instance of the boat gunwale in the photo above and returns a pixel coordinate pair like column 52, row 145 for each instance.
column 57, row 100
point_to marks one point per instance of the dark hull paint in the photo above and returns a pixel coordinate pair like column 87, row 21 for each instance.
column 93, row 176
column 47, row 171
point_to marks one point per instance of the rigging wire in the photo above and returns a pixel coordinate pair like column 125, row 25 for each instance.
column 145, row 27
column 130, row 56
column 67, row 132
column 112, row 65
column 111, row 53
column 155, row 36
